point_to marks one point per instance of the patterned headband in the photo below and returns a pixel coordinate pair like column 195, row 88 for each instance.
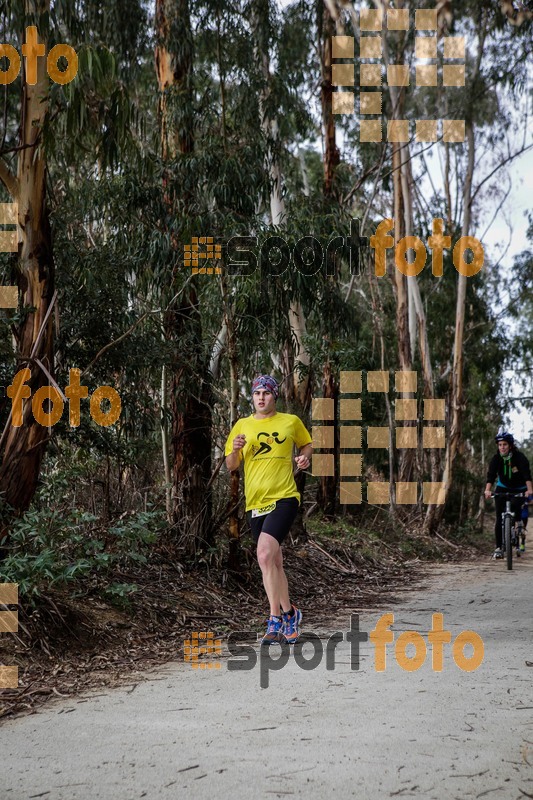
column 267, row 383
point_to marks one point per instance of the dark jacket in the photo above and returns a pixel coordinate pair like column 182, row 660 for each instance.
column 520, row 471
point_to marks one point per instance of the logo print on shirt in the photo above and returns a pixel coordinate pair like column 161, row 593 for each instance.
column 265, row 446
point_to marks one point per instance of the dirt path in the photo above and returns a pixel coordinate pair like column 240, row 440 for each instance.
column 348, row 733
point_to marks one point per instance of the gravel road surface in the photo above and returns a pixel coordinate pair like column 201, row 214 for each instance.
column 344, row 732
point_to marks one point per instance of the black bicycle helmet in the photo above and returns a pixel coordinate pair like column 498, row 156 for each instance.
column 504, row 436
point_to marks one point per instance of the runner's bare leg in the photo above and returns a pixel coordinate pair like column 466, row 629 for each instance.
column 270, row 561
column 282, row 582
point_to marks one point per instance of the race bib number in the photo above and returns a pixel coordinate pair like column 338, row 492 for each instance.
column 260, row 512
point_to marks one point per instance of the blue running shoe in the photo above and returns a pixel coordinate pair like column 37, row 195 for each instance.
column 291, row 626
column 274, row 631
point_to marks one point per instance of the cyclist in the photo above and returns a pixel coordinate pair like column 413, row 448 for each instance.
column 510, row 469
column 264, row 441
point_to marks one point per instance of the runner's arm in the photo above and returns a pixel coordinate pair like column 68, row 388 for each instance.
column 303, row 459
column 233, row 461
column 306, row 450
column 234, row 458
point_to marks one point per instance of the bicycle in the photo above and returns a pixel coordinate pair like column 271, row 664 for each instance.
column 512, row 532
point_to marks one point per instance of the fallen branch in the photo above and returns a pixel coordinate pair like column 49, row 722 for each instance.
column 446, row 541
column 340, row 566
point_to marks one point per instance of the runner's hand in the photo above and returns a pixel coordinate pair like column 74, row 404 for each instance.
column 302, row 462
column 239, row 442
column 487, row 494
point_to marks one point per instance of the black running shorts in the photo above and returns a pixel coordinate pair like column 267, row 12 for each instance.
column 278, row 522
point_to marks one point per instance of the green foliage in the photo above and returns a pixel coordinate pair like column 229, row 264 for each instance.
column 53, row 546
column 119, row 593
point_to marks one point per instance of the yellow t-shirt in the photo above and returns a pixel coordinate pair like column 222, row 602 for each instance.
column 268, row 456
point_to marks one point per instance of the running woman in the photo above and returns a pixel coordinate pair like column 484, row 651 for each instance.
column 510, row 469
column 265, row 442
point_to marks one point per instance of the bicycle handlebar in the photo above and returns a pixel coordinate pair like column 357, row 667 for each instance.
column 510, row 494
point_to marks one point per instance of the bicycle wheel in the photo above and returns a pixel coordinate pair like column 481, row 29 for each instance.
column 507, row 541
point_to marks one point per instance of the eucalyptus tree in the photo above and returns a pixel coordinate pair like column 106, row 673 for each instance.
column 47, row 125
column 23, row 170
column 493, row 84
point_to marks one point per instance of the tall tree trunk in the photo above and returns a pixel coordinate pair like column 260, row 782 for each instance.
column 406, row 457
column 400, row 280
column 327, row 488
column 174, row 69
column 328, row 25
column 25, row 445
column 326, row 29
column 190, row 394
column 456, row 404
column 410, row 313
column 164, row 446
column 234, row 551
column 456, row 396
